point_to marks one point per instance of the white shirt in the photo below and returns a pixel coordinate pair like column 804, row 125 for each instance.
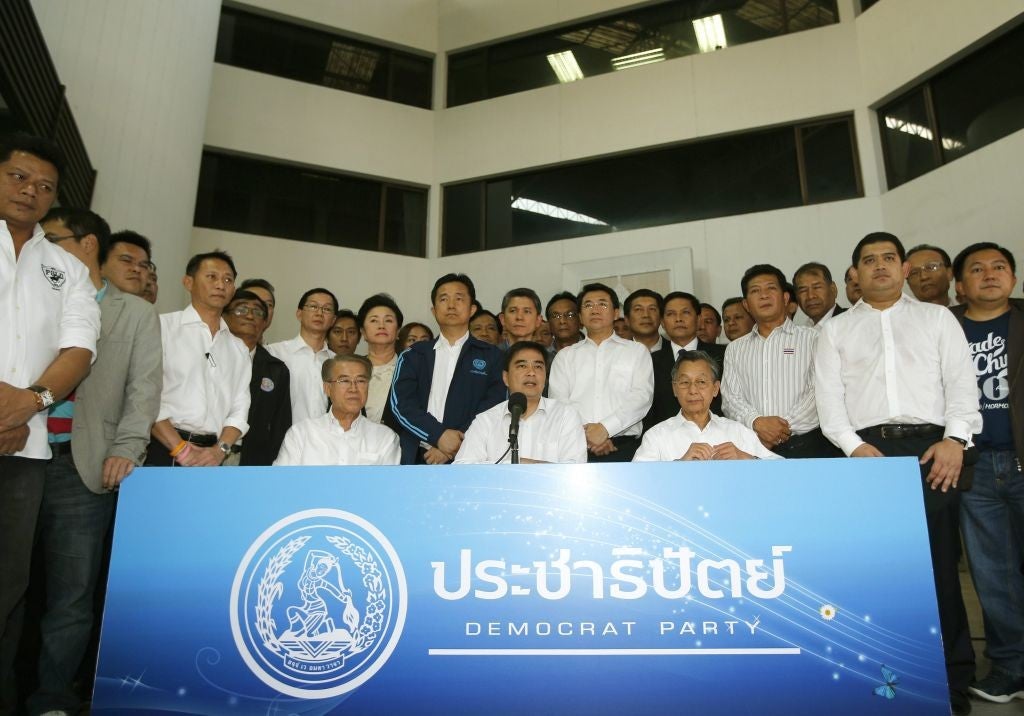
column 446, row 356
column 670, row 439
column 322, row 441
column 47, row 303
column 676, row 348
column 380, row 386
column 306, row 383
column 772, row 376
column 611, row 383
column 804, row 321
column 206, row 378
column 907, row 364
column 553, row 433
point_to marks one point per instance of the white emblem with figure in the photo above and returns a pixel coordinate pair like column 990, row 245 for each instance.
column 318, row 603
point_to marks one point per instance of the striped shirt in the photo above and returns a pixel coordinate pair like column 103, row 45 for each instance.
column 772, row 376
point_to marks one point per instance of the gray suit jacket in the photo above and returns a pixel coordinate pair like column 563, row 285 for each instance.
column 116, row 405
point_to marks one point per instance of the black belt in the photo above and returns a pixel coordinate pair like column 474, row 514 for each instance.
column 900, row 431
column 60, row 449
column 198, row 439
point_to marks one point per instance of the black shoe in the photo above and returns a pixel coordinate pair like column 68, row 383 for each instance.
column 999, row 687
column 960, row 702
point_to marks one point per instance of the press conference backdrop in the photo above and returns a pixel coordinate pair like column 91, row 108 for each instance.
column 797, row 587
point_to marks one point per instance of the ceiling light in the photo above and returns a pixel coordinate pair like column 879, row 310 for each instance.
column 919, row 130
column 555, row 212
column 565, row 66
column 638, row 58
column 710, row 33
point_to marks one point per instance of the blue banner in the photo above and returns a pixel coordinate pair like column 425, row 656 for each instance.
column 797, row 587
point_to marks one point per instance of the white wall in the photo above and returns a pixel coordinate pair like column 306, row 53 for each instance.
column 138, row 79
column 838, row 69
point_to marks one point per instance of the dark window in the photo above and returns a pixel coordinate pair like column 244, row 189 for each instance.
column 257, row 196
column 754, row 171
column 973, row 103
column 865, row 4
column 624, row 40
column 280, row 48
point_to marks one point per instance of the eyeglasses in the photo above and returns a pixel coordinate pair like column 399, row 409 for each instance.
column 54, row 239
column 127, row 260
column 930, row 267
column 316, row 308
column 248, row 310
column 344, row 382
column 568, row 315
column 596, row 305
column 699, row 384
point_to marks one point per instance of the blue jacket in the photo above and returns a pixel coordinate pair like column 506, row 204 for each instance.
column 476, row 386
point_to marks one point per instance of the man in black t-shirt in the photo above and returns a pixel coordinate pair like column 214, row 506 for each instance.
column 992, row 512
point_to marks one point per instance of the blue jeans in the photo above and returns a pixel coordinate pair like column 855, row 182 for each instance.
column 992, row 520
column 73, row 523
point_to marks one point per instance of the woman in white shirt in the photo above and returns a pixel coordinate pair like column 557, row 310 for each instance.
column 379, row 319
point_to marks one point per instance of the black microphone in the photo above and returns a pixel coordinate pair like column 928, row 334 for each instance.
column 516, row 406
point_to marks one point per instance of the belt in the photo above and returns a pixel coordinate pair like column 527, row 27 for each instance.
column 61, row 449
column 198, row 439
column 898, row 431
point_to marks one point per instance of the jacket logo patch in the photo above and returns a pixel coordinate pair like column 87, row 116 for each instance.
column 56, row 277
column 266, row 385
column 479, row 363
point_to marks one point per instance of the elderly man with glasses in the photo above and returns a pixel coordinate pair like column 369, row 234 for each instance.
column 342, row 436
column 305, row 354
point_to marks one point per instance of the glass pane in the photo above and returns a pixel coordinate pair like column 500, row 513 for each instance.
column 284, row 49
column 405, row 221
column 981, row 98
column 463, row 216
column 829, row 162
column 907, row 138
column 626, row 40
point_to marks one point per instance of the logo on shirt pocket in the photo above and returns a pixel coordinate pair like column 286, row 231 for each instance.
column 266, row 385
column 56, row 277
column 479, row 366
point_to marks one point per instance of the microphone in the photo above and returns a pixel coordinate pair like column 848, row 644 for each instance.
column 516, row 406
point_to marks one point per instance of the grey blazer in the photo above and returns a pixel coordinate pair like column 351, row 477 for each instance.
column 117, row 403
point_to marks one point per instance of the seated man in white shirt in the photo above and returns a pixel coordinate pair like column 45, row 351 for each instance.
column 695, row 433
column 549, row 431
column 342, row 436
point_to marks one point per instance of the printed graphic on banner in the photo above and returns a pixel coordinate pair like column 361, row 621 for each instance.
column 781, row 587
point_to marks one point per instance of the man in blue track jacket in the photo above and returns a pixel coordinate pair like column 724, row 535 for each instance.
column 440, row 386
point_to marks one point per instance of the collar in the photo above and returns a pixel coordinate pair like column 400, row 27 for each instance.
column 683, row 420
column 298, row 344
column 442, row 343
column 191, row 315
column 333, row 422
column 102, row 292
column 903, row 300
column 37, row 235
column 786, row 327
column 542, row 407
column 691, row 346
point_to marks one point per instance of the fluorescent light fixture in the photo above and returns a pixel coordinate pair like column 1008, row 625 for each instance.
column 639, row 58
column 919, row 130
column 565, row 66
column 710, row 33
column 555, row 212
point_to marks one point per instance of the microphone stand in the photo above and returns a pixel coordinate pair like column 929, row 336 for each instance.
column 513, row 440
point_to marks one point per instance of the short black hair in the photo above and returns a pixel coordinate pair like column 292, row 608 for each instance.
column 592, row 287
column 693, row 357
column 379, row 300
column 82, row 222
column 762, row 270
column 960, row 262
column 846, row 274
column 732, row 302
column 453, row 278
column 344, row 313
column 41, row 147
column 310, row 292
column 216, row 255
column 520, row 346
column 930, row 247
column 644, row 293
column 718, row 316
column 813, row 267
column 563, row 296
column 258, row 283
column 243, row 294
column 521, row 293
column 485, row 312
column 694, row 301
column 876, row 237
column 404, row 332
column 791, row 290
column 134, row 238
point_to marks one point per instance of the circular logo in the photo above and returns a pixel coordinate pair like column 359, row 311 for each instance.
column 479, row 363
column 318, row 603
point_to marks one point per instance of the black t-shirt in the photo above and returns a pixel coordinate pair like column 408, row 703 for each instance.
column 988, row 341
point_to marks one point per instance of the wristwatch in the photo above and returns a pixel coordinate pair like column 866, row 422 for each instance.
column 956, row 439
column 44, row 398
column 224, row 448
